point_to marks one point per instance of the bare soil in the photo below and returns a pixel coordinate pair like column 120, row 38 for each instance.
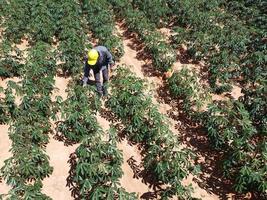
column 5, row 145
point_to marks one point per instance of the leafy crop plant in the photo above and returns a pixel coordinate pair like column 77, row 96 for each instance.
column 98, row 169
column 163, row 156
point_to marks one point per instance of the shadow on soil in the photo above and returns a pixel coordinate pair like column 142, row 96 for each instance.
column 143, row 55
column 194, row 136
column 65, row 140
column 147, row 178
column 70, row 183
column 138, row 173
column 62, row 138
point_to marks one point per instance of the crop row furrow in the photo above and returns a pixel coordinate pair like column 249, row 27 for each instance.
column 163, row 55
column 30, row 126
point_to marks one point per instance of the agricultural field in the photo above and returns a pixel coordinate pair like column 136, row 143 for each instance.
column 186, row 114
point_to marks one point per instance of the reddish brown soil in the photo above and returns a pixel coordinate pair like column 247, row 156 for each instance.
column 5, row 145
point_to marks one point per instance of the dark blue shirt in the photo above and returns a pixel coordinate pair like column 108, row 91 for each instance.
column 105, row 58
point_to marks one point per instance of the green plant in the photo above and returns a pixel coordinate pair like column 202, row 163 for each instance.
column 162, row 54
column 169, row 169
column 101, row 22
column 16, row 16
column 28, row 191
column 254, row 100
column 163, row 156
column 10, row 62
column 157, row 11
column 29, row 163
column 98, row 169
column 71, row 36
column 77, row 120
column 231, row 131
column 185, row 85
column 41, row 23
column 3, row 109
column 48, row 21
column 252, row 12
column 39, row 63
column 223, row 35
column 34, row 20
column 229, row 36
column 129, row 103
column 8, row 108
column 30, row 125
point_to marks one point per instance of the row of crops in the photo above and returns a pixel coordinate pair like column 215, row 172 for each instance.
column 96, row 168
column 31, row 120
column 57, row 40
column 162, row 154
column 103, row 26
column 29, row 164
column 163, row 56
column 228, row 36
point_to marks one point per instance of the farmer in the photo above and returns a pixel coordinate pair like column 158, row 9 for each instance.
column 99, row 59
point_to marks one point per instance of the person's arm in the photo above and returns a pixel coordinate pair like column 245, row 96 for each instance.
column 109, row 58
column 86, row 73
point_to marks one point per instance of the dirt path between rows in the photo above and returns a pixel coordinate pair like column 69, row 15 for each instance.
column 55, row 186
column 5, row 145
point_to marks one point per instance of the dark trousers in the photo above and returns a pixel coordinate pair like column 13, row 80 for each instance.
column 101, row 88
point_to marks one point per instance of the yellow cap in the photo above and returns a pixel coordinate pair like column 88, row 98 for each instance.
column 92, row 57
